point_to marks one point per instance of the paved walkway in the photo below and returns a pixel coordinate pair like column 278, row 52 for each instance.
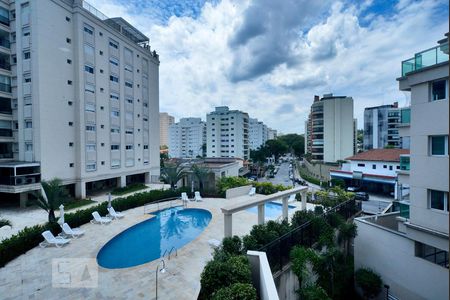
column 30, row 275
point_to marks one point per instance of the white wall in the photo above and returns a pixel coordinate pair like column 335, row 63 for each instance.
column 379, row 167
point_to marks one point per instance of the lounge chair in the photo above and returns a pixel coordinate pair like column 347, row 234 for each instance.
column 50, row 239
column 198, row 198
column 69, row 232
column 98, row 219
column 184, row 197
column 115, row 215
column 252, row 191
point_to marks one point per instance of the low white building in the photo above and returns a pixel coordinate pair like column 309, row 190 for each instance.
column 186, row 138
column 258, row 134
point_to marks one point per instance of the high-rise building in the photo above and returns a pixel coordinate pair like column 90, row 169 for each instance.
column 271, row 134
column 258, row 134
column 409, row 247
column 381, row 127
column 186, row 138
column 78, row 96
column 165, row 120
column 330, row 130
column 227, row 133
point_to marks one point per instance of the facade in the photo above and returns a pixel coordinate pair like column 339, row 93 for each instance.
column 381, row 127
column 330, row 131
column 271, row 134
column 409, row 247
column 258, row 134
column 79, row 99
column 165, row 120
column 186, row 138
column 227, row 133
column 373, row 171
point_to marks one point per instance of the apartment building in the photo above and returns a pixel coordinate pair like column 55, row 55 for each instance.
column 258, row 134
column 227, row 133
column 165, row 120
column 271, row 134
column 409, row 246
column 186, row 138
column 79, row 98
column 330, row 131
column 381, row 127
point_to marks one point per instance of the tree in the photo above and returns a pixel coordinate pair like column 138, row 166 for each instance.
column 171, row 174
column 201, row 174
column 276, row 147
column 56, row 195
column 295, row 143
column 347, row 231
column 369, row 282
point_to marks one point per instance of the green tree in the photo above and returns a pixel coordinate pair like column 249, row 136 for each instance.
column 295, row 143
column 347, row 231
column 201, row 174
column 236, row 291
column 171, row 174
column 313, row 292
column 55, row 195
column 369, row 282
column 276, row 147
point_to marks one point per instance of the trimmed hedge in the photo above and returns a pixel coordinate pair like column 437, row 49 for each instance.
column 30, row 237
column 236, row 291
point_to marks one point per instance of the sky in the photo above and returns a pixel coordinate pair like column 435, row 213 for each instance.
column 269, row 58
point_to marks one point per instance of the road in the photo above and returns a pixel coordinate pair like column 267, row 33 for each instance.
column 376, row 203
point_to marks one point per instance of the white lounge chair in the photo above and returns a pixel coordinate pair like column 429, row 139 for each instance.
column 252, row 191
column 50, row 239
column 67, row 231
column 115, row 215
column 184, row 197
column 291, row 198
column 198, row 198
column 98, row 219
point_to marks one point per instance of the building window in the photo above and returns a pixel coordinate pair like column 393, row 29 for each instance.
column 115, row 130
column 438, row 200
column 27, row 55
column 27, row 79
column 128, row 84
column 384, row 166
column 115, row 113
column 90, row 107
column 70, row 123
column 91, row 166
column 69, row 103
column 114, row 96
column 90, row 88
column 129, row 100
column 115, row 147
column 89, row 69
column 71, row 165
column 113, row 78
column 100, row 52
column 88, row 29
column 439, row 90
column 390, row 168
column 129, row 147
column 71, row 144
column 28, row 147
column 67, row 19
column 145, row 147
column 68, row 41
column 28, row 124
column 88, row 50
column 129, row 131
column 90, row 127
column 100, row 33
column 114, row 44
column 114, row 61
column 90, row 147
column 438, row 145
column 359, row 165
column 69, row 61
column 432, row 254
column 69, row 82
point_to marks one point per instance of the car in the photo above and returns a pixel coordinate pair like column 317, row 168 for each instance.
column 362, row 196
column 353, row 189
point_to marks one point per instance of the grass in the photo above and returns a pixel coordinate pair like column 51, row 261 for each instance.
column 77, row 203
column 128, row 189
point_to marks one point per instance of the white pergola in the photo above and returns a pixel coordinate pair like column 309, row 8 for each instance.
column 260, row 200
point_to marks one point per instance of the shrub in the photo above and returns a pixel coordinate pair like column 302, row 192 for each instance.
column 128, row 189
column 300, row 217
column 338, row 182
column 313, row 292
column 237, row 291
column 4, row 222
column 369, row 282
column 263, row 234
column 267, row 188
column 229, row 182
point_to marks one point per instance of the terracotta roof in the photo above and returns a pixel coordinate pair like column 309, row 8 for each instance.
column 380, row 155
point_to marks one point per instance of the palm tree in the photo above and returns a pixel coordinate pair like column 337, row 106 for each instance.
column 171, row 174
column 201, row 174
column 347, row 231
column 55, row 195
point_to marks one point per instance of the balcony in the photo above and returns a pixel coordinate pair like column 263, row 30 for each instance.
column 402, row 207
column 426, row 58
column 405, row 116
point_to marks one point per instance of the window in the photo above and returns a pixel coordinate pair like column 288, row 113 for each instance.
column 114, row 61
column 27, row 79
column 67, row 19
column 129, row 100
column 89, row 69
column 145, row 147
column 438, row 200
column 128, row 68
column 69, row 61
column 115, row 130
column 69, row 103
column 384, row 166
column 68, row 41
column 88, row 29
column 70, row 123
column 100, row 52
column 129, row 147
column 27, row 55
column 129, row 131
column 114, row 96
column 71, row 165
column 71, row 144
column 115, row 147
column 28, row 147
column 90, row 147
column 88, row 50
column 102, row 144
column 113, row 44
column 91, row 166
column 115, row 163
column 69, row 82
column 100, row 33
column 439, row 145
column 28, row 124
column 90, row 127
column 390, row 168
column 128, row 84
column 438, row 90
column 90, row 88
column 113, row 78
column 115, row 113
column 361, row 165
column 90, row 107
column 432, row 254
column 102, row 126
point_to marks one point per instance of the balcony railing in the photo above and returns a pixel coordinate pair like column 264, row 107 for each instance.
column 5, row 43
column 404, row 162
column 405, row 116
column 426, row 58
column 20, row 180
column 5, row 87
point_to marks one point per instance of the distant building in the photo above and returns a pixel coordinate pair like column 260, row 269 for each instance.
column 409, row 246
column 258, row 134
column 227, row 133
column 330, row 131
column 381, row 127
column 271, row 134
column 373, row 171
column 165, row 120
column 186, row 138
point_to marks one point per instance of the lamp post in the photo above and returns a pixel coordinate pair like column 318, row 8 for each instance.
column 162, row 270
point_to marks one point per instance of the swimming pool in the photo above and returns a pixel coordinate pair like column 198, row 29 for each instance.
column 148, row 240
column 272, row 209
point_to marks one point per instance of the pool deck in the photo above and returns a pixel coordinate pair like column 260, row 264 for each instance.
column 30, row 275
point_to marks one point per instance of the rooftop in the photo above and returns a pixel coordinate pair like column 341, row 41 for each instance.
column 380, row 155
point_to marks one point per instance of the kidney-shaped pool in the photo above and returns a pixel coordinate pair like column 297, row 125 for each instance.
column 148, row 240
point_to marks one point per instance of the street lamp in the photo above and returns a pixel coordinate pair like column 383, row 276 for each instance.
column 162, row 270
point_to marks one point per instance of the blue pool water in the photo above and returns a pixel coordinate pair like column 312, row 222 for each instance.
column 147, row 241
column 272, row 209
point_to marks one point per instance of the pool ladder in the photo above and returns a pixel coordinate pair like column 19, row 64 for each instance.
column 170, row 252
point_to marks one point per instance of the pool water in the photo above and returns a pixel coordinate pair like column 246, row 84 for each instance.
column 148, row 240
column 272, row 209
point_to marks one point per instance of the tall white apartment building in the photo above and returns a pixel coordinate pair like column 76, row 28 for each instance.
column 271, row 134
column 186, row 138
column 381, row 126
column 80, row 98
column 165, row 120
column 409, row 247
column 258, row 134
column 227, row 133
column 330, row 130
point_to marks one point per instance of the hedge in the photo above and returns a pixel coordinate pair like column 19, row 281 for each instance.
column 30, row 237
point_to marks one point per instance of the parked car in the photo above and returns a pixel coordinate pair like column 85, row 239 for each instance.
column 362, row 196
column 353, row 189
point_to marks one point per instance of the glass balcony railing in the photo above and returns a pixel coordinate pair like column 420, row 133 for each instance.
column 426, row 58
column 402, row 207
column 404, row 162
column 5, row 43
column 405, row 116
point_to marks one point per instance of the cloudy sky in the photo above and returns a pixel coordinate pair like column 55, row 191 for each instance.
column 269, row 58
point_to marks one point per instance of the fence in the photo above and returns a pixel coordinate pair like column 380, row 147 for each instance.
column 278, row 251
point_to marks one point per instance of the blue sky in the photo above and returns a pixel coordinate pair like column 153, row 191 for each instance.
column 269, row 58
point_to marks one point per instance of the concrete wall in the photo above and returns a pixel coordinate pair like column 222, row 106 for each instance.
column 392, row 255
column 262, row 276
column 238, row 191
column 318, row 169
column 287, row 284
